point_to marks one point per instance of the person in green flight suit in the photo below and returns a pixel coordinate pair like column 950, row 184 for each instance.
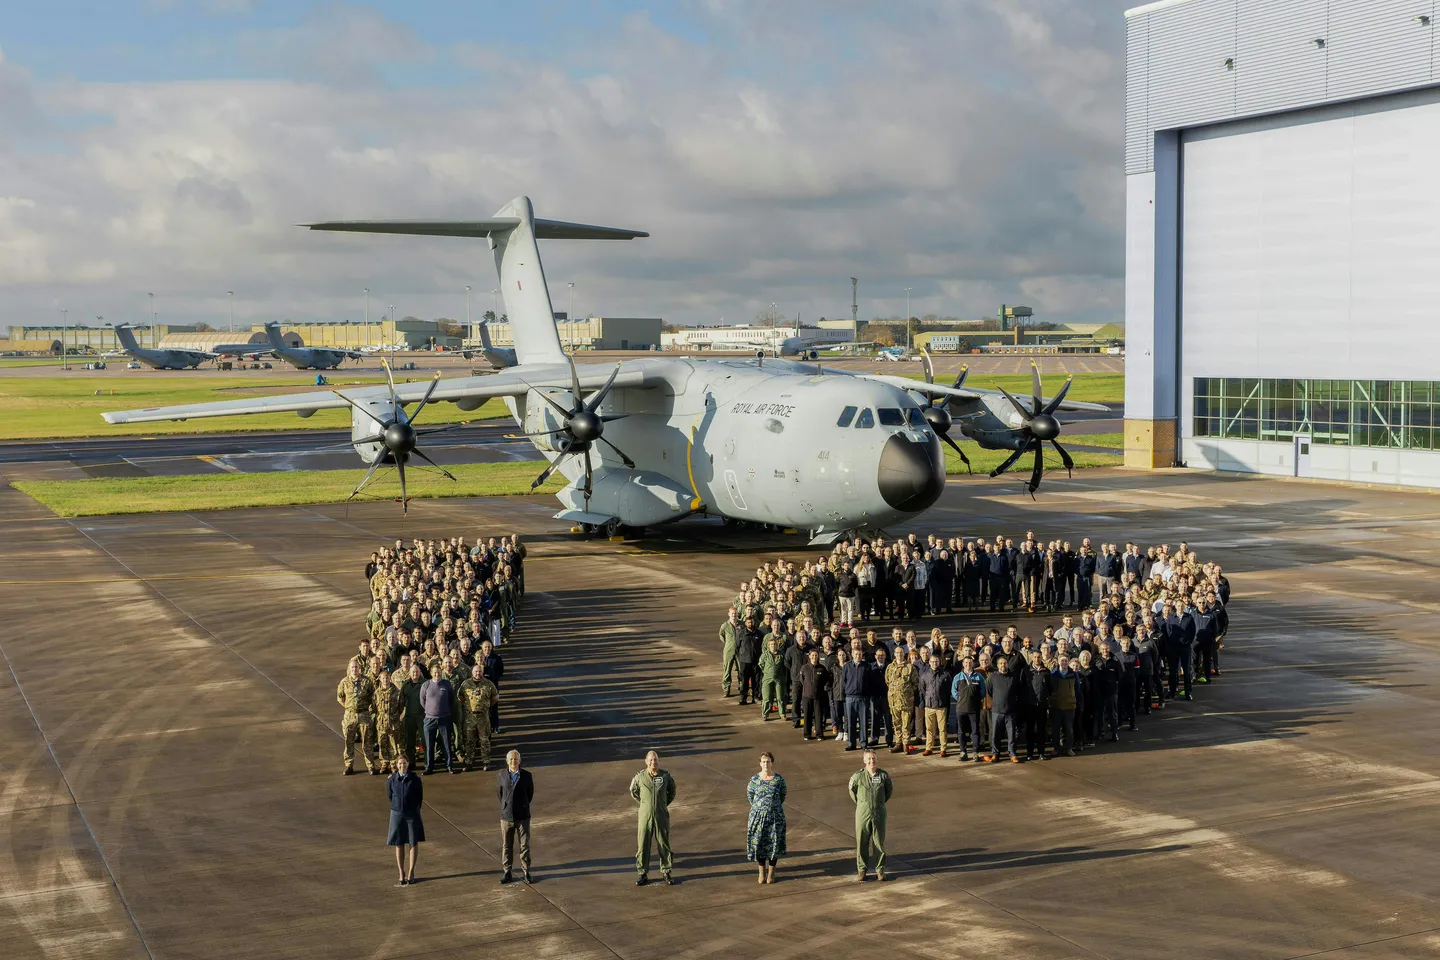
column 729, row 665
column 654, row 790
column 870, row 789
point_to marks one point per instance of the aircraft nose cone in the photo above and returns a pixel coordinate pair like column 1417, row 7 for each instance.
column 912, row 475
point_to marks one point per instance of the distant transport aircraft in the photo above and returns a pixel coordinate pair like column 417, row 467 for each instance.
column 161, row 358
column 306, row 358
column 648, row 441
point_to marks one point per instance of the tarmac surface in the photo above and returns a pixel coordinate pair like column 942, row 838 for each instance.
column 170, row 740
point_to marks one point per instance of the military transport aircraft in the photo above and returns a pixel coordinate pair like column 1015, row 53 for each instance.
column 161, row 358
column 306, row 358
column 647, row 441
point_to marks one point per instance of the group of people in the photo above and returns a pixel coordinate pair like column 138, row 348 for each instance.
column 1148, row 625
column 652, row 790
column 429, row 669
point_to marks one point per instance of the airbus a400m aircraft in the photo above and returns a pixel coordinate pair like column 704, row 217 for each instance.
column 648, row 441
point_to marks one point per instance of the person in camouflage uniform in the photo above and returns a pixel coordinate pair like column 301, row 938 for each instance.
column 902, row 684
column 475, row 696
column 389, row 708
column 356, row 694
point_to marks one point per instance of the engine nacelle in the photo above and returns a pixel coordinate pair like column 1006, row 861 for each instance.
column 364, row 427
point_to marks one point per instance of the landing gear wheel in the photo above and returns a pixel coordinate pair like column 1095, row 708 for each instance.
column 612, row 528
column 586, row 530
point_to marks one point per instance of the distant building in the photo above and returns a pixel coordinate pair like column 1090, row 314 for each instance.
column 747, row 337
column 595, row 333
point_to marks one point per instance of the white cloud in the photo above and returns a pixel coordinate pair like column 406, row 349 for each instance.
column 969, row 151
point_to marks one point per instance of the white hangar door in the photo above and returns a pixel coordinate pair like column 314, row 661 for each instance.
column 1310, row 248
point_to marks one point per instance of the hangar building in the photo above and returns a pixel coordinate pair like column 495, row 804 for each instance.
column 1282, row 261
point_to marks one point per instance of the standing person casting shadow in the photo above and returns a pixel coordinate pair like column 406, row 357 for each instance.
column 765, row 830
column 407, row 793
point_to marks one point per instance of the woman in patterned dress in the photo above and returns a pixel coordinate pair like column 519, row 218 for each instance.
column 765, row 831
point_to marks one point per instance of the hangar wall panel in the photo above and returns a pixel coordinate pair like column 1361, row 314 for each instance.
column 1277, row 62
column 1188, row 80
column 1137, row 98
column 1376, row 46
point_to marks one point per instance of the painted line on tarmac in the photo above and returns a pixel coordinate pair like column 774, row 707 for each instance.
column 216, row 462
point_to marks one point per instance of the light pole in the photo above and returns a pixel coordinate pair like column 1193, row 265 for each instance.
column 153, row 340
column 231, row 295
column 64, row 336
column 570, row 317
column 367, row 316
column 394, row 332
column 469, row 331
column 907, row 318
column 495, row 303
column 102, row 336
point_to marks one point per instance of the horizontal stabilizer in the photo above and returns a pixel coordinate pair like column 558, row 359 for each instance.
column 544, row 229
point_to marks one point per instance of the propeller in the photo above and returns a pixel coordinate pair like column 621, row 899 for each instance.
column 937, row 410
column 397, row 437
column 582, row 427
column 1038, row 427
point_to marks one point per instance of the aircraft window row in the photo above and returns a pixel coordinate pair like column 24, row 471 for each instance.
column 891, row 417
column 866, row 421
column 846, row 416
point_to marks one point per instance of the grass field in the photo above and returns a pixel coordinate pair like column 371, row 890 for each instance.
column 104, row 497
column 1115, row 440
column 54, row 407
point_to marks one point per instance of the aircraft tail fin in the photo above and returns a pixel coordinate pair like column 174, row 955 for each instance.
column 511, row 233
column 127, row 338
column 272, row 333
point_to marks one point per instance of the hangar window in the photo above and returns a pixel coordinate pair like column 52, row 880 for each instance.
column 846, row 416
column 891, row 417
column 1398, row 414
column 866, row 421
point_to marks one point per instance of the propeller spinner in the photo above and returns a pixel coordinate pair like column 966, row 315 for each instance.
column 1038, row 426
column 397, row 437
column 937, row 410
column 582, row 428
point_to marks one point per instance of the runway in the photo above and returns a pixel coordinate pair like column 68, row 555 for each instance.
column 170, row 738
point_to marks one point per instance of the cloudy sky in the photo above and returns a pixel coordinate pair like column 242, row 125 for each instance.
column 969, row 149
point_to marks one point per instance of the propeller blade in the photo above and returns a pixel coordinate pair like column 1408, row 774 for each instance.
column 432, row 463
column 1009, row 462
column 961, row 453
column 1039, row 470
column 929, row 365
column 1016, row 404
column 1034, row 389
column 613, row 416
column 425, row 399
column 346, row 445
column 390, row 376
column 368, row 474
column 589, row 480
column 357, row 406
column 404, row 492
column 594, row 402
column 576, row 399
column 1065, row 457
column 448, row 426
column 960, row 377
column 628, row 462
column 1055, row 401
column 544, row 433
column 545, row 474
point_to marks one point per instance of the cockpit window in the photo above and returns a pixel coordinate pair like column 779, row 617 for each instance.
column 846, row 415
column 916, row 417
column 866, row 421
column 891, row 417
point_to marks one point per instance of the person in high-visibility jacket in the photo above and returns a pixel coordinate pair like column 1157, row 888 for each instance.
column 653, row 789
column 870, row 789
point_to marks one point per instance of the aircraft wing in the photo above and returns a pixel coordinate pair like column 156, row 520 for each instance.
column 511, row 383
column 970, row 393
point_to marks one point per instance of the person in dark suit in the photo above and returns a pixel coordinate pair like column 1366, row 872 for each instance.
column 407, row 794
column 515, row 789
